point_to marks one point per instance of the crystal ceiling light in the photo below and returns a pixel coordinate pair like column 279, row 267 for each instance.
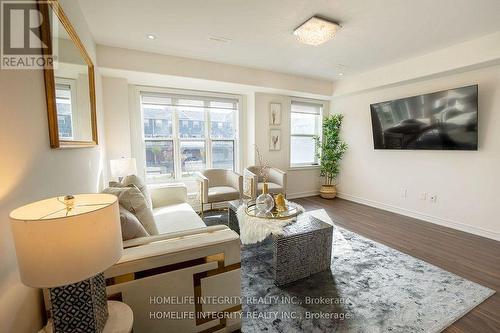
column 316, row 31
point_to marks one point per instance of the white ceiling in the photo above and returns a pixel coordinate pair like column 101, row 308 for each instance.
column 374, row 33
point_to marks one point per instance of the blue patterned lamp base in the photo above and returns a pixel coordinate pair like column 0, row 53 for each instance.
column 79, row 307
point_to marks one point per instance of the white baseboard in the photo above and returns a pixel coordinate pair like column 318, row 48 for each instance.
column 428, row 218
column 301, row 194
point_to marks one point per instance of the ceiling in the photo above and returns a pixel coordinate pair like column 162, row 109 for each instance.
column 374, row 33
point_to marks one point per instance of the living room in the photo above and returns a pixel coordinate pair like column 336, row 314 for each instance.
column 260, row 166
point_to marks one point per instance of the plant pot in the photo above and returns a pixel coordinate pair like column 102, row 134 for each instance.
column 328, row 191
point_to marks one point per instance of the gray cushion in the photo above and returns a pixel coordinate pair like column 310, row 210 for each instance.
column 133, row 200
column 131, row 227
column 139, row 183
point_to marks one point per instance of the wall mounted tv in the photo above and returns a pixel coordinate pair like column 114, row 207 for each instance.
column 444, row 120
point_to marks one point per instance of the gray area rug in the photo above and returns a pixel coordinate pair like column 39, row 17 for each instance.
column 371, row 288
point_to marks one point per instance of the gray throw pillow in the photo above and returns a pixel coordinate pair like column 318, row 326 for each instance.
column 131, row 227
column 139, row 183
column 134, row 201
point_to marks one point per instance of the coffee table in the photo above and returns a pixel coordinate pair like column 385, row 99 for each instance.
column 305, row 248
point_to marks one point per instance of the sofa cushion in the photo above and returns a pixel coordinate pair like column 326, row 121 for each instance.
column 176, row 217
column 273, row 188
column 139, row 183
column 222, row 193
column 132, row 199
column 131, row 227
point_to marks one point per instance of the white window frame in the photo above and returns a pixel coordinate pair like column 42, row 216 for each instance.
column 72, row 89
column 323, row 111
column 138, row 139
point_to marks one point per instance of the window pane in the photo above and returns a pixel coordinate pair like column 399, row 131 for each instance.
column 302, row 150
column 192, row 157
column 191, row 123
column 159, row 159
column 157, row 121
column 223, row 155
column 64, row 113
column 222, row 124
column 304, row 123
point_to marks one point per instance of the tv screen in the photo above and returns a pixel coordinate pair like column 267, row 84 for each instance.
column 444, row 120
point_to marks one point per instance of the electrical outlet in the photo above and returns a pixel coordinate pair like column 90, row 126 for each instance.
column 433, row 198
column 404, row 192
column 423, row 196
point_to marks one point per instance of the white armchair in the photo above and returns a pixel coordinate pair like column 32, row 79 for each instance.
column 254, row 182
column 219, row 185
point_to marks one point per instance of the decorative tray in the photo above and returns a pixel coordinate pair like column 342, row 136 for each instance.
column 292, row 211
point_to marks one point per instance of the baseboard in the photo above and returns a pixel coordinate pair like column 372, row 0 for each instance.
column 301, row 194
column 425, row 217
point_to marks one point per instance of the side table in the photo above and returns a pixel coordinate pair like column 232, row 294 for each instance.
column 120, row 319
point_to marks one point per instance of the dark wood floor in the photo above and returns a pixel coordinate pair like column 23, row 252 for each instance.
column 472, row 257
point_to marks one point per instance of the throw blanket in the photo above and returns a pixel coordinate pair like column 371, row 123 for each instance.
column 255, row 229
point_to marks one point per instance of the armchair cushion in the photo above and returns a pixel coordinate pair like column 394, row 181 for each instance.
column 220, row 185
column 222, row 193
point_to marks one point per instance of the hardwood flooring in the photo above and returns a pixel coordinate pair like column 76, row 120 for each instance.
column 472, row 257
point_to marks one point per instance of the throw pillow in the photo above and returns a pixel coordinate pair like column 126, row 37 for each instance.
column 134, row 201
column 131, row 227
column 139, row 183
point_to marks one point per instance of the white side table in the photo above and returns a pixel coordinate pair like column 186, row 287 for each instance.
column 120, row 319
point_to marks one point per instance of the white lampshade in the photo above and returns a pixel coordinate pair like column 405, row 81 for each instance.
column 123, row 167
column 59, row 242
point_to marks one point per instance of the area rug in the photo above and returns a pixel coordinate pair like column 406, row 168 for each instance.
column 370, row 288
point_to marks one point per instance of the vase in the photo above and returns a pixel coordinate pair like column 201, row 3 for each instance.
column 265, row 201
column 328, row 191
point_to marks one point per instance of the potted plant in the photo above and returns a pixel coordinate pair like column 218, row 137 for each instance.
column 329, row 150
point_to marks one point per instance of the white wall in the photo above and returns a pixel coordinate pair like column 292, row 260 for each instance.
column 301, row 182
column 30, row 170
column 116, row 117
column 466, row 182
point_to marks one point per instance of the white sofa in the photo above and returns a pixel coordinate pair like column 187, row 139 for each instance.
column 167, row 279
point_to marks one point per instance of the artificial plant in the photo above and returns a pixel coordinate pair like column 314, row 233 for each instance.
column 330, row 148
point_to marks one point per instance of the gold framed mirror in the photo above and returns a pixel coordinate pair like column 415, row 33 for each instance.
column 69, row 81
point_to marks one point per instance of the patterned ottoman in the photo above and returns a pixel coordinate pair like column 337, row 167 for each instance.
column 304, row 248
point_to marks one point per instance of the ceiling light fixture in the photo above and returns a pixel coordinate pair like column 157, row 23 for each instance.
column 341, row 74
column 316, row 31
column 150, row 36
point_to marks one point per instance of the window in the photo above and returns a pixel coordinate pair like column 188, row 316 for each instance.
column 64, row 102
column 305, row 123
column 184, row 134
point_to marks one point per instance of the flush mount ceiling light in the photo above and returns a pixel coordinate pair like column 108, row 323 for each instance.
column 150, row 36
column 316, row 31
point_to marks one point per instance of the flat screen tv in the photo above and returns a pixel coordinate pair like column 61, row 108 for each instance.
column 444, row 120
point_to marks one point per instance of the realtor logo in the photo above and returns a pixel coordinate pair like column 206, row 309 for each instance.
column 22, row 45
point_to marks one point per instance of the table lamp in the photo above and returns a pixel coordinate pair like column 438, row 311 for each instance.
column 123, row 167
column 63, row 245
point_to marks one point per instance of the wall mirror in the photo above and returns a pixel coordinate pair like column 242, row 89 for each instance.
column 69, row 82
